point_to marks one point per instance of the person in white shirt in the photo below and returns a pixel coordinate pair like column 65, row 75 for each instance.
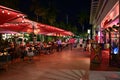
column 81, row 42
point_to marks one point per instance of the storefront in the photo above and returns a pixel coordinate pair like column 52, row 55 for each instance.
column 111, row 30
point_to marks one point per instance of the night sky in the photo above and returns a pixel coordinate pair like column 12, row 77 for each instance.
column 73, row 8
column 70, row 8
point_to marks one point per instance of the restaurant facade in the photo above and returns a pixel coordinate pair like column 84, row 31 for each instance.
column 105, row 19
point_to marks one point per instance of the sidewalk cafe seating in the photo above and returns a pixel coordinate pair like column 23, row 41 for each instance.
column 47, row 49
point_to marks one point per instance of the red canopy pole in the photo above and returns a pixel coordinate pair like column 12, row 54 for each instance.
column 34, row 35
column 59, row 35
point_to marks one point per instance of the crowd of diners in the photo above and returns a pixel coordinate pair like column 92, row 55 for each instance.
column 28, row 49
column 22, row 50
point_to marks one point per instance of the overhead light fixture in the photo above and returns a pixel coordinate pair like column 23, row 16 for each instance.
column 88, row 31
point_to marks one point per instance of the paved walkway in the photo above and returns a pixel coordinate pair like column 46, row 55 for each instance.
column 104, row 75
column 103, row 71
column 65, row 65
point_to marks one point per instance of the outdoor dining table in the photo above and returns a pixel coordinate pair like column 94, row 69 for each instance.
column 47, row 49
column 64, row 44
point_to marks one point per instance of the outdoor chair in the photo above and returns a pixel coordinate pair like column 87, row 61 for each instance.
column 4, row 61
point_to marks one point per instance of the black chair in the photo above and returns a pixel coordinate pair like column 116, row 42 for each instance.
column 4, row 59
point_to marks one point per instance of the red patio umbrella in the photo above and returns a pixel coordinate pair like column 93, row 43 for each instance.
column 49, row 29
column 7, row 14
column 15, row 27
column 52, row 31
column 7, row 31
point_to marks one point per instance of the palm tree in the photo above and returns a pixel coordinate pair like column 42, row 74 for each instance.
column 38, row 10
column 48, row 15
column 82, row 18
column 51, row 17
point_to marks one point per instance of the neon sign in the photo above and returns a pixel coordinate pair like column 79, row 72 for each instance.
column 115, row 51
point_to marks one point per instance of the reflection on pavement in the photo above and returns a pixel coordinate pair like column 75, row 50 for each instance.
column 104, row 75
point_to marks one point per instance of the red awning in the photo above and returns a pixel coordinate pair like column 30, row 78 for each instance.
column 15, row 27
column 7, row 14
column 7, row 31
column 37, row 27
column 53, row 31
column 13, row 20
column 48, row 28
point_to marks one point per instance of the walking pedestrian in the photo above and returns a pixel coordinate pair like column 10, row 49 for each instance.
column 71, row 42
column 59, row 43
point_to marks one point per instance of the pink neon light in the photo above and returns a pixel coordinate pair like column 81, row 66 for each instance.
column 114, row 13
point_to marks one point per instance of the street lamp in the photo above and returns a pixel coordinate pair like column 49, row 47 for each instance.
column 88, row 33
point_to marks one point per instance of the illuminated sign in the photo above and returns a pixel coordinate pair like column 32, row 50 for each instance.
column 116, row 50
column 112, row 15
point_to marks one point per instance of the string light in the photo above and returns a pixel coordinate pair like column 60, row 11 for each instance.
column 16, row 24
column 23, row 21
column 3, row 11
column 18, row 15
column 23, row 16
column 8, row 12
